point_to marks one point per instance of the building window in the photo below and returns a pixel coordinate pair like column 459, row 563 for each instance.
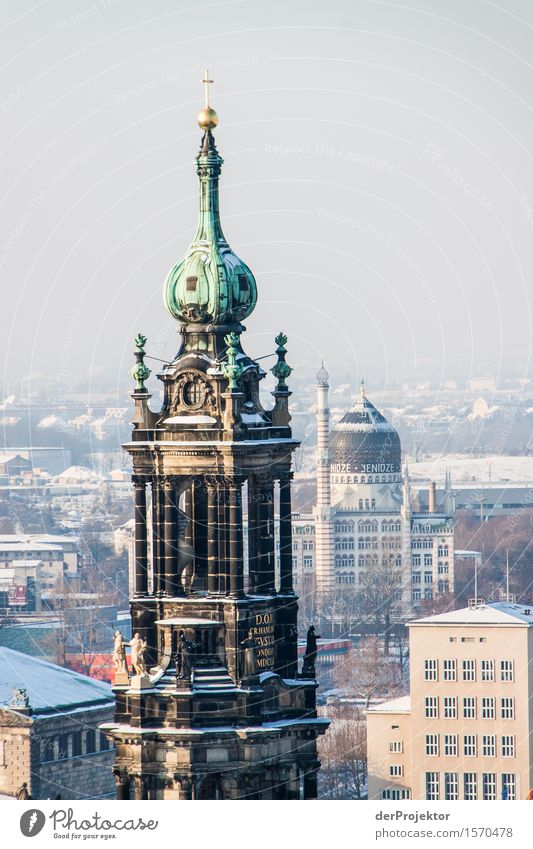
column 432, row 744
column 48, row 750
column 489, row 745
column 428, row 577
column 395, row 793
column 507, row 707
column 449, row 670
column 451, row 786
column 416, row 578
column 432, row 785
column 508, row 785
column 308, row 562
column 508, row 746
column 506, row 670
column 416, row 595
column 450, row 707
column 488, row 707
column 431, row 670
column 450, row 744
column 470, row 745
column 489, row 786
column 396, row 747
column 469, row 670
column 432, row 707
column 487, row 670
column 104, row 742
column 90, row 742
column 396, row 771
column 428, row 560
column 469, row 707
column 62, row 749
column 470, row 786
column 76, row 744
column 416, row 560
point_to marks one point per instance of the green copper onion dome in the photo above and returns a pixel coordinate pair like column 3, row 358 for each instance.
column 210, row 284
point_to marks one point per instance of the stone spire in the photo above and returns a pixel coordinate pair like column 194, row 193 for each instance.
column 210, row 284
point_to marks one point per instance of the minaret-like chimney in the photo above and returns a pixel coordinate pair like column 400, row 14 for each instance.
column 432, row 497
column 324, row 546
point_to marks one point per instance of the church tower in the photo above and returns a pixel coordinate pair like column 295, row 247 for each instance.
column 216, row 707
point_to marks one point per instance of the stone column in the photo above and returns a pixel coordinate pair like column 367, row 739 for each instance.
column 157, row 536
column 235, row 539
column 170, row 516
column 266, row 560
column 285, row 535
column 141, row 548
column 253, row 535
column 212, row 538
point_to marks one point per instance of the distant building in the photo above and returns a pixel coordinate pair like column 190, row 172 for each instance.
column 53, row 460
column 465, row 731
column 365, row 518
column 49, row 737
column 58, row 556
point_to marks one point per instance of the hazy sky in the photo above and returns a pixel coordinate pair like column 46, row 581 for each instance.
column 378, row 177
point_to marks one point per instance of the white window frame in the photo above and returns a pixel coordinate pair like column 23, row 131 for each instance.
column 449, row 670
column 507, row 707
column 432, row 745
column 396, row 771
column 489, row 745
column 508, row 746
column 469, row 707
column 488, row 707
column 450, row 745
column 470, row 786
column 431, row 670
column 451, row 786
column 509, row 782
column 507, row 670
column 432, row 785
column 487, row 670
column 488, row 786
column 431, row 709
column 470, row 745
column 396, row 747
column 469, row 670
column 450, row 707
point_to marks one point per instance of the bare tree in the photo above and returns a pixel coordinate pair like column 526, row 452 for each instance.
column 367, row 672
column 342, row 752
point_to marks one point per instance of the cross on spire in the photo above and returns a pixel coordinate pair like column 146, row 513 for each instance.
column 206, row 81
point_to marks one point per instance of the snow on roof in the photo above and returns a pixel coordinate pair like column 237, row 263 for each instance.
column 401, row 705
column 48, row 686
column 77, row 472
column 496, row 613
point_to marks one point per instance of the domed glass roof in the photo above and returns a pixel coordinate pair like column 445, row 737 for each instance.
column 365, row 441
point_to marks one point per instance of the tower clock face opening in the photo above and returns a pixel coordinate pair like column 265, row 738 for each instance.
column 192, row 394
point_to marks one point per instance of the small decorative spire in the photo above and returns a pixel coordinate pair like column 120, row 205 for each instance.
column 362, row 390
column 281, row 370
column 140, row 372
column 231, row 369
column 207, row 118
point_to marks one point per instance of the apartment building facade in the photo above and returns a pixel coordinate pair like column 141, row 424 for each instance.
column 465, row 731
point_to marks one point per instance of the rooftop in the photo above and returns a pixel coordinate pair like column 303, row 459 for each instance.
column 49, row 687
column 400, row 705
column 494, row 613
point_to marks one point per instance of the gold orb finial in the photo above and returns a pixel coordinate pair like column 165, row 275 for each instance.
column 207, row 118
